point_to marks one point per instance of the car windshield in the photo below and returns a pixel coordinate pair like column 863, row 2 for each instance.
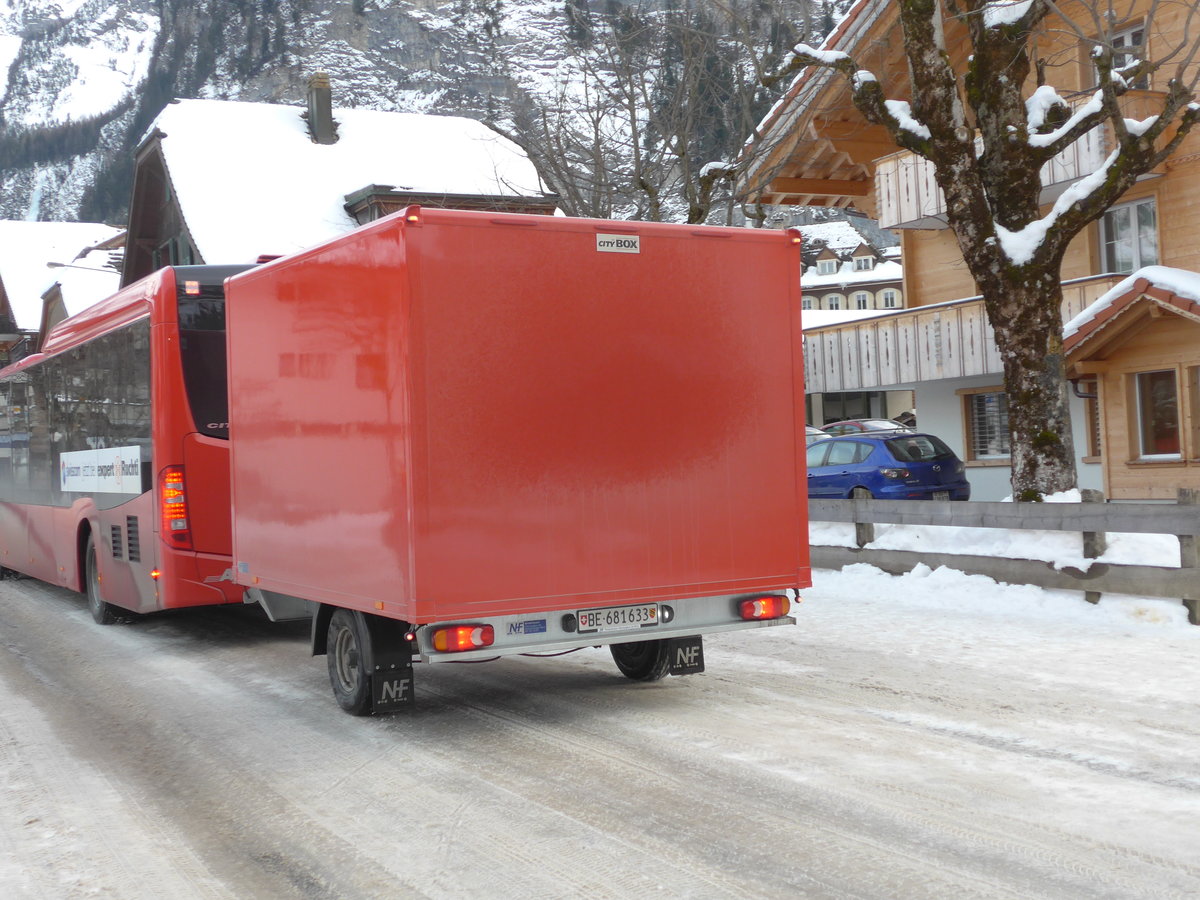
column 918, row 448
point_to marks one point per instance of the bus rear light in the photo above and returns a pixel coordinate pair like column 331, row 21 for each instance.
column 191, row 288
column 768, row 606
column 172, row 500
column 454, row 638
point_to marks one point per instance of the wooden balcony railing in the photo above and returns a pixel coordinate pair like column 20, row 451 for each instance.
column 907, row 196
column 922, row 343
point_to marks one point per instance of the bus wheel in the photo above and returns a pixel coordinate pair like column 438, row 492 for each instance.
column 642, row 660
column 103, row 613
column 348, row 645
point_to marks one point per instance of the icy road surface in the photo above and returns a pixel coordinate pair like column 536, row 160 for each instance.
column 931, row 736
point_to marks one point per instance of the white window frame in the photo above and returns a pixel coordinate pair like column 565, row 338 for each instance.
column 833, row 301
column 862, row 299
column 891, row 299
column 993, row 444
column 1141, row 411
column 827, row 266
column 1130, row 38
column 1140, row 252
column 864, row 263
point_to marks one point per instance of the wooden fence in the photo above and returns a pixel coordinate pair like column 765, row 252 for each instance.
column 1092, row 519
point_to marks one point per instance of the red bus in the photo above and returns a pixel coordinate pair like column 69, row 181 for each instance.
column 101, row 434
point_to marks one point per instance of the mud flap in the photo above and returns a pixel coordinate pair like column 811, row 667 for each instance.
column 392, row 689
column 391, row 666
column 686, row 655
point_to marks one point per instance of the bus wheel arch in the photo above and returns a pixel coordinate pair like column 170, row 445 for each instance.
column 82, row 537
column 103, row 612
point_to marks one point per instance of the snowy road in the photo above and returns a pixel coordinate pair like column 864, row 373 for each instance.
column 916, row 737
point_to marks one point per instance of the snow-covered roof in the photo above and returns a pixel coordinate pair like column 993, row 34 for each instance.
column 1180, row 282
column 816, row 318
column 250, row 181
column 846, row 275
column 840, row 237
column 26, row 247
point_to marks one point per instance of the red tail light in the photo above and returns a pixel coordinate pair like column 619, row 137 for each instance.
column 768, row 606
column 454, row 638
column 172, row 502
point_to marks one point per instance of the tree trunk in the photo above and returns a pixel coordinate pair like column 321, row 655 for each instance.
column 1026, row 317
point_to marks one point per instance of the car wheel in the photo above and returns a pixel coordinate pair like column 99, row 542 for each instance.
column 642, row 660
column 348, row 644
column 861, row 493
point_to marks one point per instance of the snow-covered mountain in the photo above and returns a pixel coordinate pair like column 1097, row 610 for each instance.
column 84, row 78
column 81, row 80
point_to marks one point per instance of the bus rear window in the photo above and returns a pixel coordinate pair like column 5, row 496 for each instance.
column 202, row 348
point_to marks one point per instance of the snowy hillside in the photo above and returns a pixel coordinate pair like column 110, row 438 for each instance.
column 83, row 79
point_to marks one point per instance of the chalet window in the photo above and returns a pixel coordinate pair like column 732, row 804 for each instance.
column 862, row 300
column 1133, row 42
column 1129, row 235
column 806, row 303
column 986, row 418
column 863, row 263
column 1156, row 408
column 833, row 301
column 827, row 266
column 890, row 299
column 1193, row 390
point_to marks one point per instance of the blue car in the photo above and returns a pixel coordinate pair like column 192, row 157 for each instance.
column 895, row 465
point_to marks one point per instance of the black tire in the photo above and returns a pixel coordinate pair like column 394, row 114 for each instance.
column 642, row 660
column 348, row 645
column 103, row 613
column 861, row 493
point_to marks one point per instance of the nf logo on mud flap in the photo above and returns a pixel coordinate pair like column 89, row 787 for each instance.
column 619, row 243
column 393, row 689
column 686, row 655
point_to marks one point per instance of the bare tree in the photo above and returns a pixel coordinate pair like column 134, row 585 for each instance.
column 651, row 93
column 988, row 124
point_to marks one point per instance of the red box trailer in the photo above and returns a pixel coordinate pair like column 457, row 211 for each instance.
column 460, row 435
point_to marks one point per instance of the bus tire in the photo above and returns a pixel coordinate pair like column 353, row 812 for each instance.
column 102, row 612
column 642, row 660
column 347, row 646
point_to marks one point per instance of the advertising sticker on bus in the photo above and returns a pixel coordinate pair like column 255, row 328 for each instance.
column 113, row 470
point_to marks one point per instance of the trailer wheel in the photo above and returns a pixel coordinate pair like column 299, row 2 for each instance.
column 348, row 644
column 103, row 613
column 642, row 660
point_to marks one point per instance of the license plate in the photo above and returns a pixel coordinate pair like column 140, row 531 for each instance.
column 618, row 618
column 941, row 495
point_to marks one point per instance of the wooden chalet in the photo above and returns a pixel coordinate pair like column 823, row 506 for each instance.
column 1138, row 348
column 206, row 167
column 816, row 149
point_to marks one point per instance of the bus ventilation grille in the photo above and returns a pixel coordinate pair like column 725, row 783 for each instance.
column 135, row 543
column 116, row 541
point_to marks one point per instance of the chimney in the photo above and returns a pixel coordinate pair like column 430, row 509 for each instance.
column 321, row 126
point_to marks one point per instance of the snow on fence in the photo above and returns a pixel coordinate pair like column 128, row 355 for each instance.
column 1093, row 519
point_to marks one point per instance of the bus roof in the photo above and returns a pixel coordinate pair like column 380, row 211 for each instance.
column 128, row 304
